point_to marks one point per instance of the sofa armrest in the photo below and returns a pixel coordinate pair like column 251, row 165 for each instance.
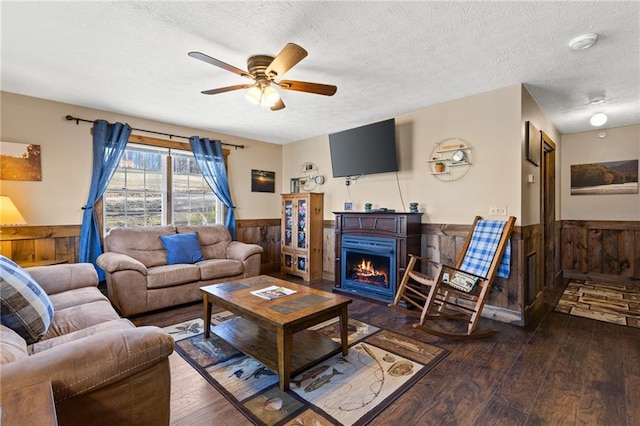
column 112, row 262
column 69, row 276
column 242, row 251
column 90, row 363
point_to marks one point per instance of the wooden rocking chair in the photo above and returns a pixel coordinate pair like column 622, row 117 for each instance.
column 463, row 296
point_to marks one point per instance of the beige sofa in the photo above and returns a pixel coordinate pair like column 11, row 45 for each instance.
column 103, row 370
column 140, row 280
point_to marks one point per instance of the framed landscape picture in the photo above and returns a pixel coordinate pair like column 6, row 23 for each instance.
column 20, row 161
column 263, row 181
column 612, row 177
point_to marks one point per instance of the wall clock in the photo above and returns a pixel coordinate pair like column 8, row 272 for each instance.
column 319, row 180
column 458, row 156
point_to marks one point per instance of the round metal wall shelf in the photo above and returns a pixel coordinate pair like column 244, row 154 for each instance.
column 457, row 157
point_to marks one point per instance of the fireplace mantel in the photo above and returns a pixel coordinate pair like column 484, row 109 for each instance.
column 404, row 228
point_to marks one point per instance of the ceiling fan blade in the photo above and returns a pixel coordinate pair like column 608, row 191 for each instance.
column 213, row 61
column 225, row 89
column 279, row 105
column 303, row 86
column 290, row 55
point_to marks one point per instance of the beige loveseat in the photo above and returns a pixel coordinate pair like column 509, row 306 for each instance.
column 140, row 280
column 103, row 370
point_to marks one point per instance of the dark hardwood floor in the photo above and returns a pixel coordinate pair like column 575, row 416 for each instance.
column 563, row 371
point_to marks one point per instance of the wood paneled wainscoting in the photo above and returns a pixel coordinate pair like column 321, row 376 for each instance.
column 38, row 244
column 601, row 250
column 265, row 233
column 442, row 243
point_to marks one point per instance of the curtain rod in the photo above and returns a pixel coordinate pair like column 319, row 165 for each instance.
column 78, row 120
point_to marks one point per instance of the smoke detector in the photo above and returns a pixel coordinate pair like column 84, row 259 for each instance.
column 583, row 41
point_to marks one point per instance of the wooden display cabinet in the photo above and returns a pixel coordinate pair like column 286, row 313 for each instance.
column 302, row 216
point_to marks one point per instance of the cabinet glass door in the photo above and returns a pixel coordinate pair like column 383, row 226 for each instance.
column 302, row 224
column 288, row 223
column 301, row 263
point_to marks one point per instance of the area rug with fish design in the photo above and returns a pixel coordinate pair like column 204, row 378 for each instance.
column 342, row 390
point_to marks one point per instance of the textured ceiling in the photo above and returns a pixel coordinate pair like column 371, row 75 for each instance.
column 387, row 58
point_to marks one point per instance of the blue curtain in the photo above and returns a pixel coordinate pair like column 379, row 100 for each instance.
column 109, row 142
column 211, row 163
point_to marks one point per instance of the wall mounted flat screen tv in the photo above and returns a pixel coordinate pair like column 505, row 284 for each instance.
column 364, row 150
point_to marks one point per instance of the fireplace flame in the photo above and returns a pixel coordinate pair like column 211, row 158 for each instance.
column 366, row 271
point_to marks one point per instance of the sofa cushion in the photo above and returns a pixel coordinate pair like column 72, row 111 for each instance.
column 220, row 268
column 80, row 317
column 80, row 296
column 12, row 346
column 171, row 275
column 43, row 345
column 25, row 307
column 214, row 239
column 182, row 248
column 140, row 242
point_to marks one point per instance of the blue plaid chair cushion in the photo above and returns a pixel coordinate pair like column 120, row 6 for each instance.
column 24, row 306
column 484, row 243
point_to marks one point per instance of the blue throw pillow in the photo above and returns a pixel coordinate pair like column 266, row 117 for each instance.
column 24, row 306
column 182, row 248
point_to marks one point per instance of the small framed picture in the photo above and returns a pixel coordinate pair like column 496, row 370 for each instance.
column 348, row 206
column 263, row 181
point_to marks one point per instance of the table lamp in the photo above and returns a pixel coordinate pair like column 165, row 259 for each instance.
column 9, row 213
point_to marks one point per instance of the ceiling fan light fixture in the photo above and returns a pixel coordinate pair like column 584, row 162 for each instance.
column 598, row 119
column 254, row 95
column 270, row 96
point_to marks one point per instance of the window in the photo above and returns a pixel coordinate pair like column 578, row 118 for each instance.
column 193, row 200
column 157, row 186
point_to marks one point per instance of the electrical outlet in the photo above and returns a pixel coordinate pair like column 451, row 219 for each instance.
column 498, row 210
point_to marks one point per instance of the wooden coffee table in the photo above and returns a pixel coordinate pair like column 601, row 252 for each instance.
column 275, row 332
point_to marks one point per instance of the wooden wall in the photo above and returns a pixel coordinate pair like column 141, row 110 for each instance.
column 26, row 244
column 266, row 233
column 601, row 250
column 443, row 243
column 33, row 244
column 596, row 250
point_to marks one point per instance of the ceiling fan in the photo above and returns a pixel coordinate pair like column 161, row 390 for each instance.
column 263, row 71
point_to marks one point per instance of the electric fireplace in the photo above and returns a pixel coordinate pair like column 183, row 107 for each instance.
column 368, row 266
column 372, row 250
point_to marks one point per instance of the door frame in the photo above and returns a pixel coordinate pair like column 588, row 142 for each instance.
column 549, row 253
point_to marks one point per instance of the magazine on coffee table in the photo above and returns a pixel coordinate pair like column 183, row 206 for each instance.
column 273, row 292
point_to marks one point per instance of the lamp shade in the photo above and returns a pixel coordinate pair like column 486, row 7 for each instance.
column 270, row 96
column 254, row 95
column 9, row 213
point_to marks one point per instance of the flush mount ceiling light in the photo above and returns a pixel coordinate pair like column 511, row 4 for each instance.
column 598, row 119
column 583, row 41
